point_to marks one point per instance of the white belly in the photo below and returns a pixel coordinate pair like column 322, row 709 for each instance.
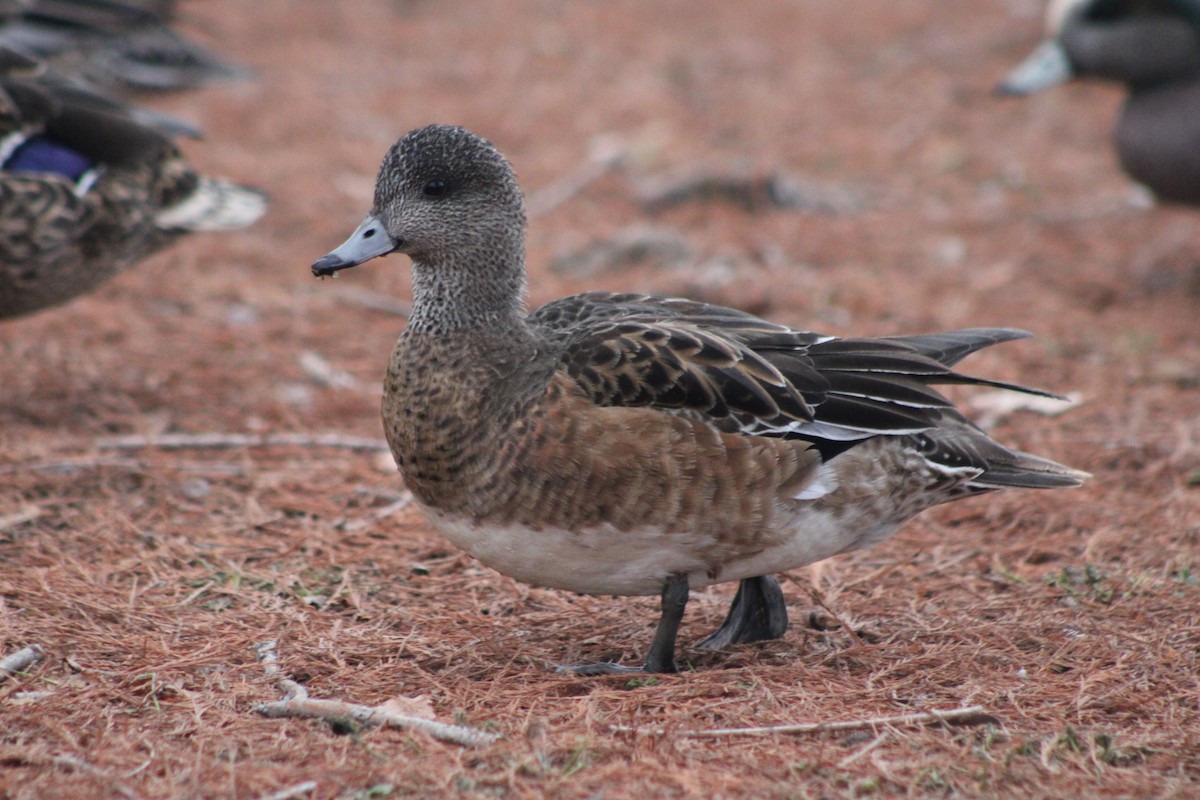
column 604, row 560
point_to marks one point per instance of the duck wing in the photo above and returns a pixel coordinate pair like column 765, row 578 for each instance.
column 745, row 374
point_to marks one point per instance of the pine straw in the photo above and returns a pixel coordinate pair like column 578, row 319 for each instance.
column 149, row 606
column 149, row 575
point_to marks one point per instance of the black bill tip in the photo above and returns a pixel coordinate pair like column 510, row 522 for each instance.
column 329, row 264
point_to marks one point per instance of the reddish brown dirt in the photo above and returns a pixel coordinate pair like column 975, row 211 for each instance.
column 1073, row 618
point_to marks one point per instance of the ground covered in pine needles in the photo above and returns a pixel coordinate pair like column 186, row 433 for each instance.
column 197, row 515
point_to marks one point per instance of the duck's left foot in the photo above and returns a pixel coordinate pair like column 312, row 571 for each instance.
column 661, row 656
column 759, row 612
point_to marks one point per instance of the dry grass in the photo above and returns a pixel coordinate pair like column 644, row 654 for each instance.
column 149, row 575
column 150, row 604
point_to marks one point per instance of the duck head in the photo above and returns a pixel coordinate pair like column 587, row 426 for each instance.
column 442, row 194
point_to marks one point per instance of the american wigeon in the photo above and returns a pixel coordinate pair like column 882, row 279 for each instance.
column 626, row 444
column 1153, row 47
column 86, row 189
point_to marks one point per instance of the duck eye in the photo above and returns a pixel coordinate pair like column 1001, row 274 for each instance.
column 435, row 188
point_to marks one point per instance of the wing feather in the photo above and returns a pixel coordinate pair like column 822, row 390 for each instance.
column 745, row 374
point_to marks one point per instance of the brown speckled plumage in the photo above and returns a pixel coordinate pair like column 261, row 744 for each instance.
column 629, row 444
column 62, row 235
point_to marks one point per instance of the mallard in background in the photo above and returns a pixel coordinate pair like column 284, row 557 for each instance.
column 1151, row 46
column 87, row 189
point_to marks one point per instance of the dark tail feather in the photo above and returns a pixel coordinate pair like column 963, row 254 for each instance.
column 951, row 347
column 1026, row 471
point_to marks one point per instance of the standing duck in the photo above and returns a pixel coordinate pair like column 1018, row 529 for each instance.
column 1153, row 47
column 627, row 444
column 87, row 189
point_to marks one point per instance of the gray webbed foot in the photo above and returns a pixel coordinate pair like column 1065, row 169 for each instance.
column 759, row 612
column 661, row 655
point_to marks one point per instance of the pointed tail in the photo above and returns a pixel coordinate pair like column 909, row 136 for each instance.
column 1027, row 471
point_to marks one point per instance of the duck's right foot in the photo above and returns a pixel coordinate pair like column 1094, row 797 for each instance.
column 758, row 613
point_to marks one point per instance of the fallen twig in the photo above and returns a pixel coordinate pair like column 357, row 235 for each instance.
column 971, row 715
column 395, row 507
column 67, row 467
column 651, row 247
column 992, row 407
column 20, row 661
column 318, row 368
column 297, row 703
column 753, row 192
column 606, row 154
column 19, row 518
column 183, row 441
column 83, row 766
column 291, row 791
column 268, row 658
column 857, row 754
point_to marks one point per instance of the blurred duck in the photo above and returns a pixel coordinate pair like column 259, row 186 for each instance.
column 110, row 46
column 87, row 189
column 1153, row 47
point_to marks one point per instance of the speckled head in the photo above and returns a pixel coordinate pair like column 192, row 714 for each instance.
column 443, row 194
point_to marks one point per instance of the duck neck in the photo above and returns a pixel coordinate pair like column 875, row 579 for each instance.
column 458, row 295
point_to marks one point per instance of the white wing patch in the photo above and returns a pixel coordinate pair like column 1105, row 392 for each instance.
column 826, row 481
column 9, row 145
column 820, row 430
column 215, row 205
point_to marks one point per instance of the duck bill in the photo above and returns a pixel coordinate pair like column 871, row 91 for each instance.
column 369, row 240
column 1046, row 66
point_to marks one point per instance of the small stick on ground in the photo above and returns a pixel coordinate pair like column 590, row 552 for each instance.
column 297, row 703
column 819, row 598
column 20, row 661
column 394, row 507
column 91, row 769
column 19, row 518
column 291, row 791
column 204, row 441
column 606, row 155
column 970, row 715
column 857, row 754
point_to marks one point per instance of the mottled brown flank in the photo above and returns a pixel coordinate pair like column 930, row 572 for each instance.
column 886, row 479
column 56, row 242
column 488, row 430
column 52, row 212
column 56, row 245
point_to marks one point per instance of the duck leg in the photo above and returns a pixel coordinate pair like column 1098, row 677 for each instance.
column 661, row 655
column 758, row 612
